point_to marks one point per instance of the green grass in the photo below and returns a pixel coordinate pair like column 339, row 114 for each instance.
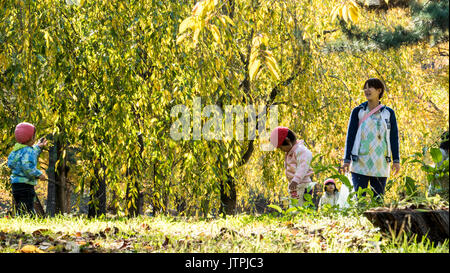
column 303, row 233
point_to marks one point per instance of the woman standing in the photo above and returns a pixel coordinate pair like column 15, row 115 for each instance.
column 372, row 141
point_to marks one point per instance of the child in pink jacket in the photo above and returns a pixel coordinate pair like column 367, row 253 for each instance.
column 297, row 161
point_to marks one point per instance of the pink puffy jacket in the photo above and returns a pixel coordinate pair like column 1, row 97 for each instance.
column 297, row 164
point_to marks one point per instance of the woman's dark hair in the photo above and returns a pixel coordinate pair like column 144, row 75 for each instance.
column 444, row 141
column 325, row 188
column 291, row 137
column 375, row 83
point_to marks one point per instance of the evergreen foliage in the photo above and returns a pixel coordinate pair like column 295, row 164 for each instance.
column 429, row 23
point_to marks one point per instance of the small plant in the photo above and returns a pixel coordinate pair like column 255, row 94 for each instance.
column 437, row 174
column 294, row 208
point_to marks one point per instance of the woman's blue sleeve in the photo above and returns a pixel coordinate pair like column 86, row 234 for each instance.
column 351, row 134
column 394, row 138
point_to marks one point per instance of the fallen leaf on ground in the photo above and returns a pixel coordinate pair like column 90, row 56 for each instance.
column 30, row 249
column 39, row 231
column 289, row 224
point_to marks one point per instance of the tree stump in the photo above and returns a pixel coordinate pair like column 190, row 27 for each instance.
column 434, row 224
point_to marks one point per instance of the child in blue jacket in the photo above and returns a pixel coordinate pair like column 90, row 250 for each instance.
column 23, row 164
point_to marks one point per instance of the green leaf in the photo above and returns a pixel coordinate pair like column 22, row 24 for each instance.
column 344, row 179
column 41, row 58
column 186, row 24
column 254, row 68
column 389, row 184
column 410, row 185
column 291, row 210
column 275, row 207
column 422, row 210
column 294, row 201
column 436, row 155
column 228, row 19
column 307, row 197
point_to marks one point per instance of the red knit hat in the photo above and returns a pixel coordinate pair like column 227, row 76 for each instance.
column 24, row 132
column 278, row 135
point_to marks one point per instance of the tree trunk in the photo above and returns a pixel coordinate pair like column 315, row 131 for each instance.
column 58, row 190
column 228, row 196
column 51, row 174
column 154, row 201
column 63, row 188
column 97, row 203
column 137, row 200
column 434, row 224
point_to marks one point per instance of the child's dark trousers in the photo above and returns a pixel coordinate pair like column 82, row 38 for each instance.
column 24, row 195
